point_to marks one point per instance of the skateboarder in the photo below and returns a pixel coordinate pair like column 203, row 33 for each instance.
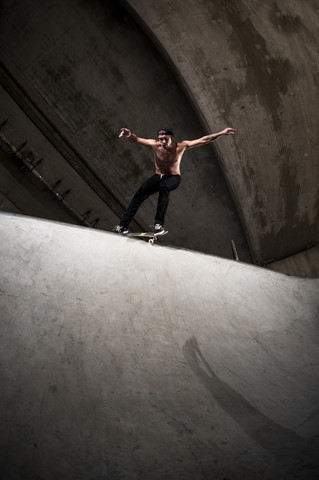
column 167, row 156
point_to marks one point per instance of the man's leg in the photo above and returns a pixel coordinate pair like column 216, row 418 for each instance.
column 148, row 188
column 167, row 185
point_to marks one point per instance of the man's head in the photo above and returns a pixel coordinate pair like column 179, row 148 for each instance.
column 165, row 131
column 164, row 135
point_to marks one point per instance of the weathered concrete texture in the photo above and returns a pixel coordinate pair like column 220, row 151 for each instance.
column 24, row 189
column 87, row 70
column 254, row 65
column 125, row 360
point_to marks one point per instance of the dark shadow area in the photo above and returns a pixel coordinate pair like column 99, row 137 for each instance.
column 296, row 453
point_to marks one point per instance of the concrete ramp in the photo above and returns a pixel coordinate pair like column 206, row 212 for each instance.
column 122, row 360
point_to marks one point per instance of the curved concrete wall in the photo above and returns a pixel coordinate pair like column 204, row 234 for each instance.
column 125, row 360
column 91, row 70
column 254, row 65
column 85, row 69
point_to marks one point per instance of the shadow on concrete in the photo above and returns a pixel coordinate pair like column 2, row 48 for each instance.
column 289, row 448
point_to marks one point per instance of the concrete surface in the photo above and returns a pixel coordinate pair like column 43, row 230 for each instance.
column 303, row 264
column 254, row 65
column 65, row 67
column 198, row 65
column 74, row 72
column 124, row 360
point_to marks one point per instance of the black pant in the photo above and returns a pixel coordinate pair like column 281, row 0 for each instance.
column 163, row 184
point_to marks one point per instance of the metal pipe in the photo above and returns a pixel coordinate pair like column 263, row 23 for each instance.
column 31, row 169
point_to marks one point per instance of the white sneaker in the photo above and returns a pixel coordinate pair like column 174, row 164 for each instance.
column 158, row 229
column 120, row 229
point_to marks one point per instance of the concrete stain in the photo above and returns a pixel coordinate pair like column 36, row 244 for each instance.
column 260, row 213
column 116, row 73
column 286, row 22
column 133, row 169
column 106, row 131
column 109, row 18
column 289, row 187
column 267, row 77
column 248, row 173
column 80, row 106
column 291, row 235
column 228, row 94
column 289, row 218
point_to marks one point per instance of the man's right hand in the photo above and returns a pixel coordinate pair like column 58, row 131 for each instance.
column 125, row 132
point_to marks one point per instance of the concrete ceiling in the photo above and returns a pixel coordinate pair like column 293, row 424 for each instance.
column 73, row 73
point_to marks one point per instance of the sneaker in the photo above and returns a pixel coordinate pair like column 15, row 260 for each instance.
column 120, row 229
column 158, row 229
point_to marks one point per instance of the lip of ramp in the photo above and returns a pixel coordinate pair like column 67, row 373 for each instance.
column 125, row 360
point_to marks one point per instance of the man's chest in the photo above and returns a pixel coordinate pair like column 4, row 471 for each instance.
column 167, row 156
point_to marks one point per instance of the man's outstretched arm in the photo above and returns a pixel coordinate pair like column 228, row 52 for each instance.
column 208, row 138
column 125, row 132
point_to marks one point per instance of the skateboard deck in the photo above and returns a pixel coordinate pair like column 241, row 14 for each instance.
column 151, row 237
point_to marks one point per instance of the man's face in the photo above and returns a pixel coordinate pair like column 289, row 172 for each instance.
column 165, row 140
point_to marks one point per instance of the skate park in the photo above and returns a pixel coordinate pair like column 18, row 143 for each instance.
column 122, row 359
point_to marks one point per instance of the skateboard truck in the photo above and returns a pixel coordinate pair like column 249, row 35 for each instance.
column 151, row 237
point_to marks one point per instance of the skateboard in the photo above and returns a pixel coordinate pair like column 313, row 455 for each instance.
column 151, row 237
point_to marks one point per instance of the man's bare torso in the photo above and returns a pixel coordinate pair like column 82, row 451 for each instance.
column 168, row 153
column 168, row 160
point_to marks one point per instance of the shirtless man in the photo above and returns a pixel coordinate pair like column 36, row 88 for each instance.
column 167, row 156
